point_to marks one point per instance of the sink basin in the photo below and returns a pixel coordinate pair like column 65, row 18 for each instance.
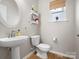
column 12, row 42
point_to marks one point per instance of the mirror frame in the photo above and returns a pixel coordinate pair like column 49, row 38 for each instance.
column 15, row 25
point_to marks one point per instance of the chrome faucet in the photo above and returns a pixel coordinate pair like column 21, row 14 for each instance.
column 12, row 34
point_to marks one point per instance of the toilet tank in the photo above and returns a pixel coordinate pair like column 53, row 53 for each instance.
column 35, row 40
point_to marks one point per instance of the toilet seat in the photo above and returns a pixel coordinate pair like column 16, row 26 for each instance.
column 44, row 46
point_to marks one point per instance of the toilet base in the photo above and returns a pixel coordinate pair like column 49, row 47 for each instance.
column 42, row 55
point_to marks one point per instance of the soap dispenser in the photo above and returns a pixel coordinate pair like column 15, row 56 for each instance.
column 18, row 33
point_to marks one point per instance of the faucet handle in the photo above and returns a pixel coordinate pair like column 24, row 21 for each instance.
column 9, row 35
column 12, row 33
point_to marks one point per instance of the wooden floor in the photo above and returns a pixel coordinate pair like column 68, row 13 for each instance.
column 50, row 56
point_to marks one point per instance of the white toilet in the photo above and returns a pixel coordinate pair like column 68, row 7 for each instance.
column 42, row 48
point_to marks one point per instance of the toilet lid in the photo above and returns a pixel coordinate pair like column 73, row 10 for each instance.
column 44, row 46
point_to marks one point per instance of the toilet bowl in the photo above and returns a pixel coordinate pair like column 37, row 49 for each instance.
column 42, row 48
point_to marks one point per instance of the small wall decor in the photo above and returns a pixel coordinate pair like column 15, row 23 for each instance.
column 34, row 16
column 57, row 11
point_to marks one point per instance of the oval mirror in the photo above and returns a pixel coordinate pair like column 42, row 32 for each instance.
column 9, row 13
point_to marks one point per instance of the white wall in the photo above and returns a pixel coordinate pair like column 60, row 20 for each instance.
column 77, row 27
column 25, row 26
column 77, row 17
column 63, row 31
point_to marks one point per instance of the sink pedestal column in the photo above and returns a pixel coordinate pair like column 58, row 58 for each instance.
column 15, row 52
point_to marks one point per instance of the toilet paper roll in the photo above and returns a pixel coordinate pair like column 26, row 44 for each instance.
column 55, row 39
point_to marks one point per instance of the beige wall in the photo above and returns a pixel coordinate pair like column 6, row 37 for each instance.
column 25, row 26
column 63, row 31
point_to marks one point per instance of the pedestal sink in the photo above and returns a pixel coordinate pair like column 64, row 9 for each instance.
column 14, row 44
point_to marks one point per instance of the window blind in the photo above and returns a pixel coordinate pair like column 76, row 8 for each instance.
column 56, row 4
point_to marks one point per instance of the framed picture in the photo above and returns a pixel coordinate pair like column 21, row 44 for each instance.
column 34, row 17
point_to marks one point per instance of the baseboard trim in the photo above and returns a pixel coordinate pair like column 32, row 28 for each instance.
column 66, row 55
